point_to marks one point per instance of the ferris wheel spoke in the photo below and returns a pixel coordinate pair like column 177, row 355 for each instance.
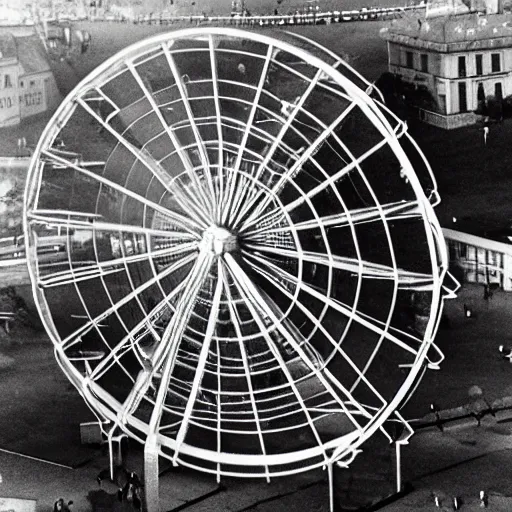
column 96, row 321
column 258, row 318
column 185, row 159
column 203, row 154
column 257, row 209
column 365, row 269
column 91, row 222
column 219, row 399
column 245, row 360
column 330, row 181
column 138, row 331
column 183, row 222
column 218, row 119
column 334, row 304
column 105, row 267
column 231, row 211
column 389, row 212
column 256, row 297
column 201, row 363
column 167, row 350
column 315, row 357
column 140, row 154
column 282, row 132
column 337, row 346
column 183, row 197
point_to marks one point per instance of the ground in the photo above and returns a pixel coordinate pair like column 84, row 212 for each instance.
column 42, row 411
column 457, row 462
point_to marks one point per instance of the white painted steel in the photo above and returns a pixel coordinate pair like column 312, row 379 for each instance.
column 250, row 278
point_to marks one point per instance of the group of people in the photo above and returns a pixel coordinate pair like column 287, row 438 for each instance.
column 61, row 506
column 129, row 485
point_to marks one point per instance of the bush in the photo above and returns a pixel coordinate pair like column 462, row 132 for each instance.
column 495, row 107
column 507, row 106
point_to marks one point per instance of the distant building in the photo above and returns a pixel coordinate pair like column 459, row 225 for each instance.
column 460, row 59
column 27, row 84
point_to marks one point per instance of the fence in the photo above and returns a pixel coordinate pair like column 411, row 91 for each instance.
column 481, row 260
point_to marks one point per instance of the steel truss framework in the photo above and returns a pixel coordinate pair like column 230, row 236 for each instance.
column 228, row 265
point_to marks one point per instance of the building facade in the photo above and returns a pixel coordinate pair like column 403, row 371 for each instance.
column 27, row 84
column 481, row 260
column 461, row 60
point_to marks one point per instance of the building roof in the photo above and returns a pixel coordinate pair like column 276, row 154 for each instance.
column 7, row 46
column 459, row 33
column 32, row 55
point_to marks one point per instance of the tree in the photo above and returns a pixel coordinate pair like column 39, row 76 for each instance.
column 482, row 104
column 495, row 107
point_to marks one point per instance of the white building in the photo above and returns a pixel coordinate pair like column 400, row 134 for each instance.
column 27, row 84
column 481, row 260
column 458, row 58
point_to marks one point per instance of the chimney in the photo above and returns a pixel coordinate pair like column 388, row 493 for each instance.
column 491, row 6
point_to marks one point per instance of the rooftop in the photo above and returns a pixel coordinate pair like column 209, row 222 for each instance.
column 455, row 33
column 7, row 47
column 32, row 55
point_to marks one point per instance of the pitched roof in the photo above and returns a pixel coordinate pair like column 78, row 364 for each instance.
column 32, row 55
column 7, row 46
column 462, row 32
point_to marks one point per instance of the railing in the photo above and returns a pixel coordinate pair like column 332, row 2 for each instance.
column 7, row 317
column 447, row 122
column 482, row 260
column 309, row 18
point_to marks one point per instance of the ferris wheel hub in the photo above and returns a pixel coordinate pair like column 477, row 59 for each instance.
column 219, row 240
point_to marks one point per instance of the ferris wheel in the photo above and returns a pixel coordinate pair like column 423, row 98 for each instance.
column 233, row 249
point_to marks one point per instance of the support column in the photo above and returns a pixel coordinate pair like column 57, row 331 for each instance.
column 331, row 486
column 398, row 464
column 507, row 272
column 151, row 471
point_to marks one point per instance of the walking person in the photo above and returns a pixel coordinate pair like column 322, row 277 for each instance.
column 486, row 134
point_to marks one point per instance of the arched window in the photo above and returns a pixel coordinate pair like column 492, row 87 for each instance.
column 7, row 82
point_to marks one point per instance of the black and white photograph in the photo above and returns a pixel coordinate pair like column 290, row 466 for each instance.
column 255, row 255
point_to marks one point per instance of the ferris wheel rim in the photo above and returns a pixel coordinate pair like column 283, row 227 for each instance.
column 427, row 213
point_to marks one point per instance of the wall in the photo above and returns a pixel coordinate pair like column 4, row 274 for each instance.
column 9, row 102
column 447, row 66
column 32, row 93
column 481, row 259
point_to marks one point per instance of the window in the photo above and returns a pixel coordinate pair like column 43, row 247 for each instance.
column 462, row 66
column 22, row 83
column 498, row 91
column 409, row 60
column 478, row 62
column 32, row 83
column 7, row 81
column 463, row 101
column 495, row 62
column 424, row 62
